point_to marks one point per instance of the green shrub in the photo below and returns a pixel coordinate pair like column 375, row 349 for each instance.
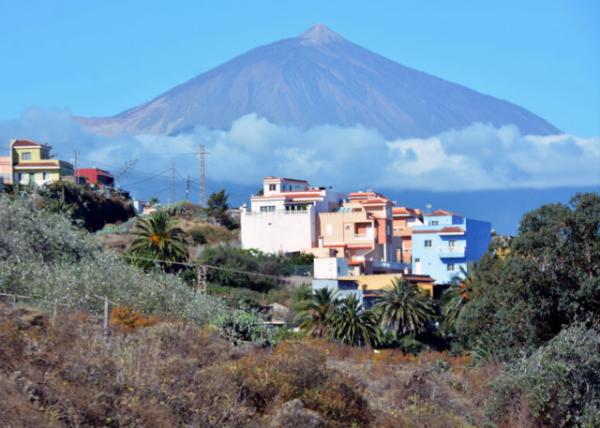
column 238, row 327
column 558, row 385
column 264, row 268
column 43, row 255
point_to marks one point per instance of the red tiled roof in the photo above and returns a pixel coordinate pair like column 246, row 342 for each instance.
column 27, row 143
column 452, row 229
column 293, row 194
column 447, row 229
column 363, row 195
column 420, row 278
column 440, row 213
column 406, row 210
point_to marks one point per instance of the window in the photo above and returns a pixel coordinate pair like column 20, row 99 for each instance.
column 451, row 267
column 328, row 229
column 272, row 187
column 267, row 208
column 434, row 222
column 26, row 156
column 44, row 176
column 19, row 177
column 452, row 243
column 417, row 260
column 427, row 242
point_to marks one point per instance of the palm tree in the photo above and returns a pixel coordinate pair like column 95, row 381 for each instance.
column 404, row 308
column 158, row 238
column 354, row 325
column 316, row 316
column 455, row 297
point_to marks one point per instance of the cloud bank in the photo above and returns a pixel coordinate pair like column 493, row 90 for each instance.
column 477, row 157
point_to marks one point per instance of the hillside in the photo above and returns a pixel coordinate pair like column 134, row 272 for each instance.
column 65, row 372
column 314, row 79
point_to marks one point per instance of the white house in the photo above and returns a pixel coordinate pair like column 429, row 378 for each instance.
column 284, row 217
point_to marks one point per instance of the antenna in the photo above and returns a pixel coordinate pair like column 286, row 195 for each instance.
column 124, row 170
column 173, row 183
column 187, row 188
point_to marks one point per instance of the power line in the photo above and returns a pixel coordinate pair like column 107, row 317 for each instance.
column 245, row 272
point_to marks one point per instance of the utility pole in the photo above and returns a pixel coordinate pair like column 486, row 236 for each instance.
column 202, row 158
column 173, row 191
column 187, row 188
column 75, row 166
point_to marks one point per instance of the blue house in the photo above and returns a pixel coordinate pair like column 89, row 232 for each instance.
column 447, row 242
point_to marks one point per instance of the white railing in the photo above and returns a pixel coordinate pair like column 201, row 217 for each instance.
column 453, row 251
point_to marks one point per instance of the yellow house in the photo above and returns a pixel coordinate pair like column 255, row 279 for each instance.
column 31, row 163
column 377, row 283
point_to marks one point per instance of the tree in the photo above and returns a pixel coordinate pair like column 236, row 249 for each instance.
column 455, row 297
column 354, row 325
column 404, row 308
column 157, row 237
column 548, row 279
column 217, row 207
column 317, row 314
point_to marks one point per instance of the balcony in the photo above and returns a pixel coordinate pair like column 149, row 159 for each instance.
column 452, row 252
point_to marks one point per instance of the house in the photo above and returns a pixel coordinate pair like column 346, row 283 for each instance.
column 403, row 220
column 333, row 272
column 446, row 242
column 360, row 231
column 96, row 177
column 6, row 169
column 31, row 163
column 283, row 217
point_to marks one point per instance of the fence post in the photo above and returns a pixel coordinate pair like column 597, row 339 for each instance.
column 14, row 300
column 105, row 323
column 55, row 309
column 201, row 278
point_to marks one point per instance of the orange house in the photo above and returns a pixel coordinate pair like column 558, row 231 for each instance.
column 361, row 232
column 403, row 220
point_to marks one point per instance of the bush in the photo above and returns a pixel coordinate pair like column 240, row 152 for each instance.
column 44, row 256
column 91, row 208
column 559, row 385
column 264, row 267
column 238, row 327
column 126, row 319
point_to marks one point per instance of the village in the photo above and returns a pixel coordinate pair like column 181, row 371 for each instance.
column 361, row 241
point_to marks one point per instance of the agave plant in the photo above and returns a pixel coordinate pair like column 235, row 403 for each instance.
column 354, row 325
column 158, row 238
column 317, row 315
column 404, row 308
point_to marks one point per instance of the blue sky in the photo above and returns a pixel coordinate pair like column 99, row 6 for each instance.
column 99, row 58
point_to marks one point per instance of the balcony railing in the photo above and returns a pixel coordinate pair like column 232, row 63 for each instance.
column 452, row 251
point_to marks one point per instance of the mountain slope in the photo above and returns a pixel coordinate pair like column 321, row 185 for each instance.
column 314, row 79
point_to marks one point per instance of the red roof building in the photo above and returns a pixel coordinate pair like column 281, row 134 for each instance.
column 97, row 177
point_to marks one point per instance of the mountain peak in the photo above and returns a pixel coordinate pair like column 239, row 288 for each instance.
column 319, row 34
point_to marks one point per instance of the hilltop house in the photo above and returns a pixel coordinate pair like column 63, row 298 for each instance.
column 283, row 216
column 446, row 242
column 30, row 163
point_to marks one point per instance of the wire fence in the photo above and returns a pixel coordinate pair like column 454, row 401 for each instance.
column 36, row 301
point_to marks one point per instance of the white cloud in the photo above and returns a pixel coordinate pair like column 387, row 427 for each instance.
column 479, row 156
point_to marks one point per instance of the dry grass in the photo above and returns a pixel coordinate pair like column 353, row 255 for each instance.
column 65, row 372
